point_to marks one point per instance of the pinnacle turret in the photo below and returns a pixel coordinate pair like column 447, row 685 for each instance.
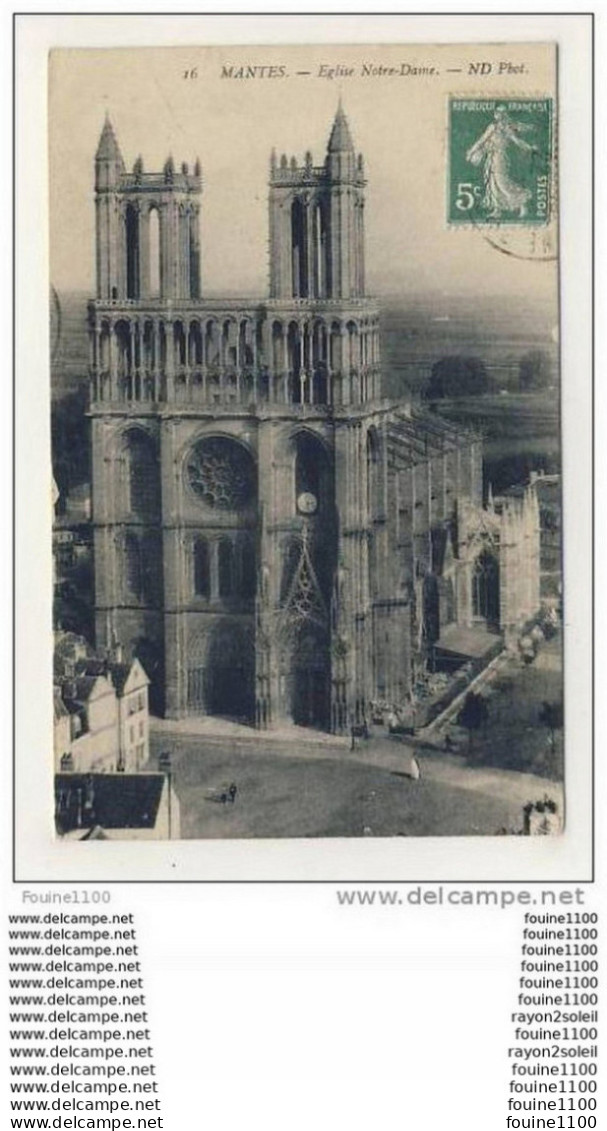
column 340, row 140
column 108, row 148
column 109, row 165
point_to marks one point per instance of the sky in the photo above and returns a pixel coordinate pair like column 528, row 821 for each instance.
column 180, row 101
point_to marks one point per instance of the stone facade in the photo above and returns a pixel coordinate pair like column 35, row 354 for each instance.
column 498, row 563
column 266, row 523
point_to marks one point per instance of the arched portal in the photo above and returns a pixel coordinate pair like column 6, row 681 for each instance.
column 309, row 682
column 230, row 672
column 486, row 589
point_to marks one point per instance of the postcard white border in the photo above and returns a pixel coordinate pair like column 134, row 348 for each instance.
column 39, row 857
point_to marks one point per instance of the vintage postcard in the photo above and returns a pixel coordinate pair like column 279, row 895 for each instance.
column 305, row 442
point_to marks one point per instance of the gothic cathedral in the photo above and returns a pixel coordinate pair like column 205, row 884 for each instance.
column 274, row 539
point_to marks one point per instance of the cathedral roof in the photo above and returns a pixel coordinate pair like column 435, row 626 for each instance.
column 340, row 140
column 108, row 148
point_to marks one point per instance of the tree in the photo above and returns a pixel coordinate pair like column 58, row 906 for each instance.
column 473, row 715
column 534, row 371
column 457, row 376
column 551, row 716
column 70, row 439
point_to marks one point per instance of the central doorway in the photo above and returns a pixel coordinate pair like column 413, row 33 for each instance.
column 310, row 681
column 230, row 673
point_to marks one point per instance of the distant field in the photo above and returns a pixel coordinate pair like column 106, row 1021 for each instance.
column 521, row 431
column 415, row 334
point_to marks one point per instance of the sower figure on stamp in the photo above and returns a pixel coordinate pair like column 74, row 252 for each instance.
column 501, row 192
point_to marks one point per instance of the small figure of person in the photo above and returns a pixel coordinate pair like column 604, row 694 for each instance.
column 448, row 743
column 415, row 772
column 232, row 791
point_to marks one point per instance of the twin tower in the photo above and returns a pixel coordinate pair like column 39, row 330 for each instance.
column 148, row 241
column 233, row 441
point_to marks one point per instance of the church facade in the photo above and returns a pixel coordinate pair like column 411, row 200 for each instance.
column 274, row 539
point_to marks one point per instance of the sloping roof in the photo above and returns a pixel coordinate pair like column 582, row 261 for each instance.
column 340, row 140
column 109, row 801
column 418, row 435
column 91, row 666
column 128, row 677
column 69, row 645
column 86, row 685
column 469, row 642
column 119, row 674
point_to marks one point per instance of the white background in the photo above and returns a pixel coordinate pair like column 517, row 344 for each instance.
column 271, row 1007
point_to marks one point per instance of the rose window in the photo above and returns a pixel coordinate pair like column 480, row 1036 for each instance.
column 221, row 473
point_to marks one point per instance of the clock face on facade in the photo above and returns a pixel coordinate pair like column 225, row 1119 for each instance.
column 221, row 473
column 307, row 503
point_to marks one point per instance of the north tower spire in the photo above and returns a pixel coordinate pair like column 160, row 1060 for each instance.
column 317, row 222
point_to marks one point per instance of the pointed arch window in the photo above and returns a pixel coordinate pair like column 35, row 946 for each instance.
column 485, row 588
column 225, row 568
column 132, row 251
column 202, row 573
column 194, row 263
column 143, row 476
column 299, row 239
column 154, row 251
column 247, row 572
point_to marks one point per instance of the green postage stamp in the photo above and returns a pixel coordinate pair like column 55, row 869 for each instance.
column 500, row 161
